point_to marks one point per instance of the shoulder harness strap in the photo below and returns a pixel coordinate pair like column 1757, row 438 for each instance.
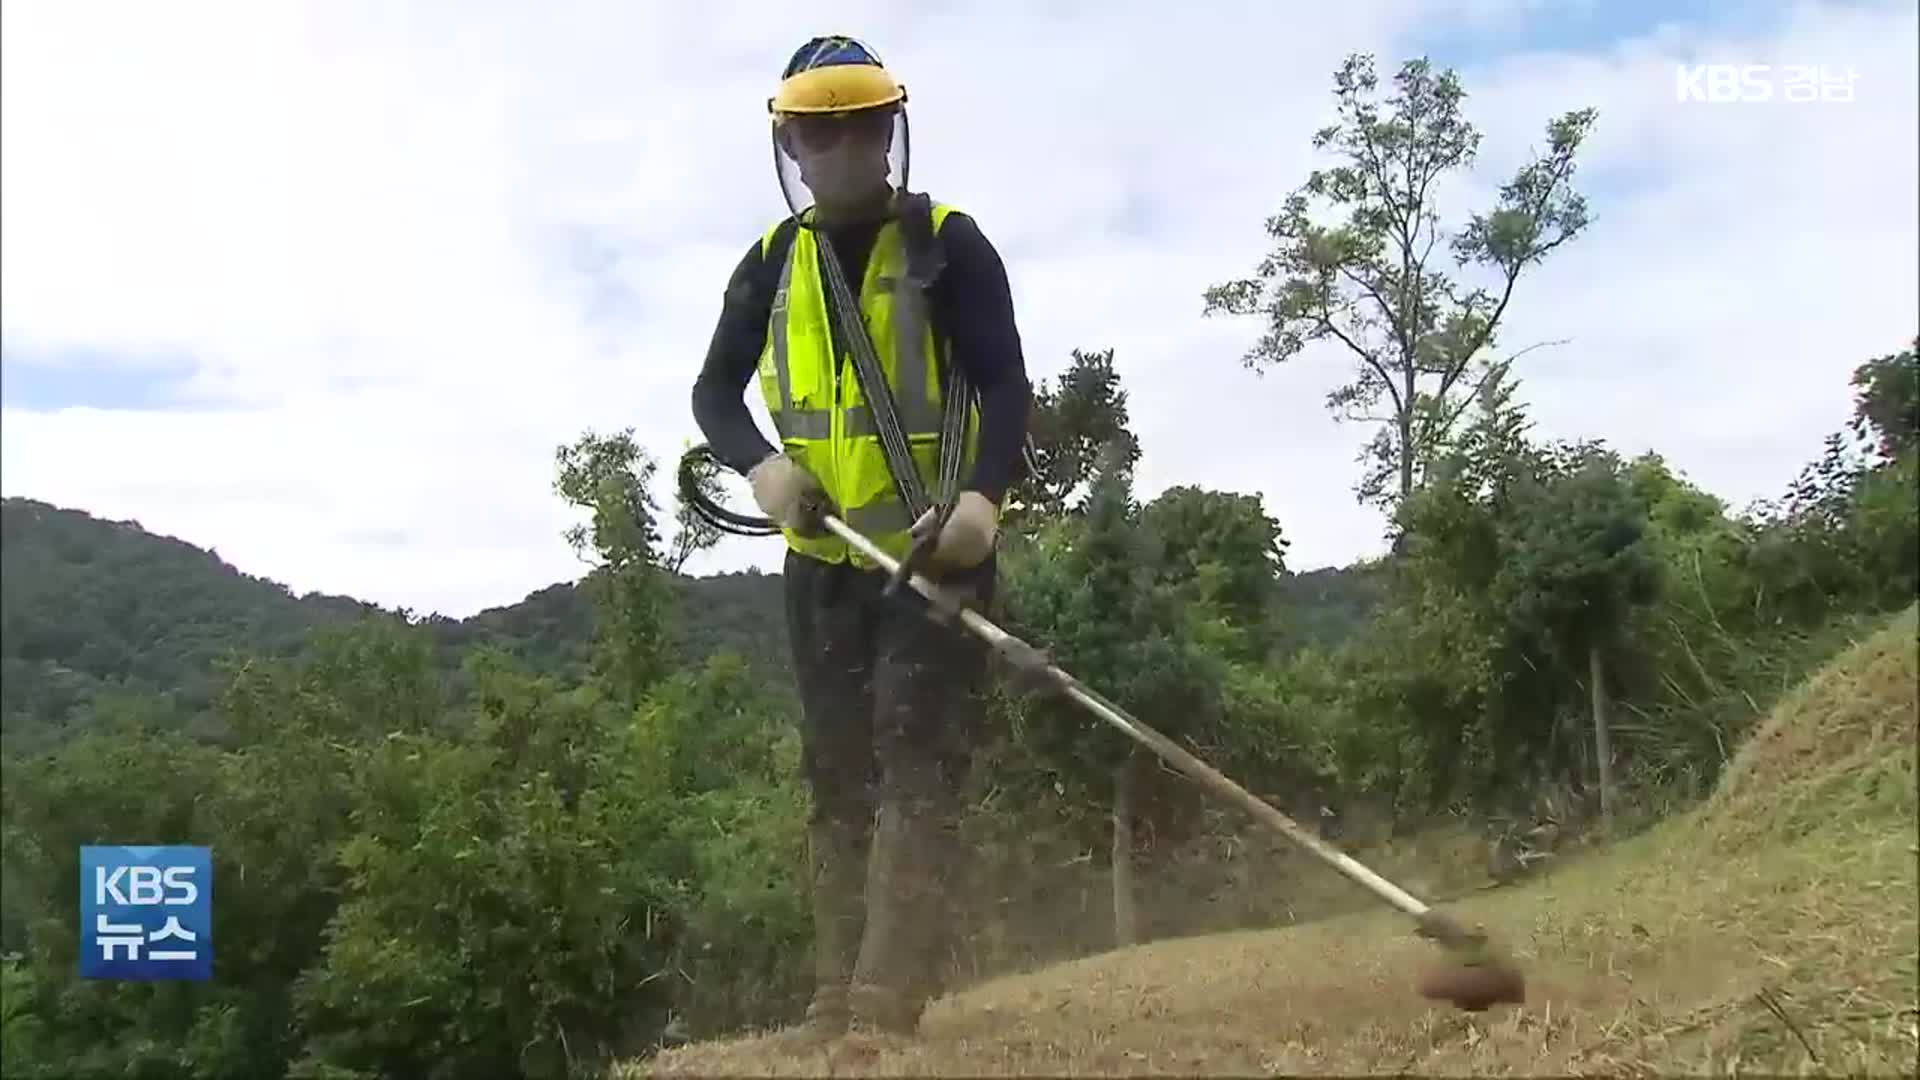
column 925, row 258
column 776, row 240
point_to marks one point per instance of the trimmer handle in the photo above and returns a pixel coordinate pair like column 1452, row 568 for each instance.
column 814, row 508
column 926, row 539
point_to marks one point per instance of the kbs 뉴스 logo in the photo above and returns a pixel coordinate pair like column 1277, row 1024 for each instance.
column 146, row 912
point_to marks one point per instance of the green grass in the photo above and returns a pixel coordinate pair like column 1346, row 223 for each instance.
column 1771, row 930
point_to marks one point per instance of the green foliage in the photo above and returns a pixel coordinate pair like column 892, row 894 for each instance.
column 493, row 884
column 1072, row 423
column 538, row 884
column 726, row 745
column 1887, row 403
column 114, row 788
column 741, row 614
column 1085, row 587
column 551, row 631
column 96, row 610
column 1292, row 725
column 1326, row 607
column 102, row 623
column 532, row 881
column 1225, row 555
column 1518, row 558
column 23, row 1032
column 1576, row 562
column 1136, row 604
column 609, row 476
column 1366, row 280
column 1753, row 602
column 1884, row 523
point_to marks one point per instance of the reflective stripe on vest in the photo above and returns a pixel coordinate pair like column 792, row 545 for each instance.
column 919, row 412
column 814, row 396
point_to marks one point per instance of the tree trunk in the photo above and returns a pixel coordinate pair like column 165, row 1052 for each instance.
column 1406, row 425
column 1126, row 921
column 1406, row 446
column 1597, row 675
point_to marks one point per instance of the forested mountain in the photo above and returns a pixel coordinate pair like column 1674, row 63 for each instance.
column 97, row 610
column 92, row 608
column 1328, row 606
column 551, row 631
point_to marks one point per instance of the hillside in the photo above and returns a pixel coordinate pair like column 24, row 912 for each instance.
column 551, row 630
column 94, row 610
column 90, row 608
column 1791, row 889
column 1327, row 606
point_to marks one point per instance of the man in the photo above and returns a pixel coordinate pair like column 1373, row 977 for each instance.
column 892, row 701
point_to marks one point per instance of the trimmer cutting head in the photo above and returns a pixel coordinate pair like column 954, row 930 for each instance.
column 1474, row 975
column 1473, row 987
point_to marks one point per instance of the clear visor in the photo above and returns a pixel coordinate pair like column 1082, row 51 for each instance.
column 844, row 165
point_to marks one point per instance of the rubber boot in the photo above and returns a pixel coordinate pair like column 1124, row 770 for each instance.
column 941, row 917
column 890, row 984
column 839, row 879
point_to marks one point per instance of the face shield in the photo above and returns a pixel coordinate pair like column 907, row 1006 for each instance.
column 845, row 166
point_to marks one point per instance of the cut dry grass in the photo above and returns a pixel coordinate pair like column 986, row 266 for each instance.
column 1771, row 931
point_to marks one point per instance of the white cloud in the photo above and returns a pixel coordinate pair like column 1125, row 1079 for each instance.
column 1764, row 249
column 414, row 247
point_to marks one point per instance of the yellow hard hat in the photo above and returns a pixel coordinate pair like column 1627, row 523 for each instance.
column 834, row 74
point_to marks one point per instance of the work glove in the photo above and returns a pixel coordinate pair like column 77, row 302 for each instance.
column 967, row 538
column 781, row 487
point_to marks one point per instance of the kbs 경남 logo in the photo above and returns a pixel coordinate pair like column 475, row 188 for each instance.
column 146, row 913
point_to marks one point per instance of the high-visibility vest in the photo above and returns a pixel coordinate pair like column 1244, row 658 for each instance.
column 815, row 399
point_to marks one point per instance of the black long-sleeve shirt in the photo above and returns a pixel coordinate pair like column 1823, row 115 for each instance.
column 971, row 306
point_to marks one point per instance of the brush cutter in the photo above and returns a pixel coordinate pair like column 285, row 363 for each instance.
column 1478, row 974
column 1477, row 980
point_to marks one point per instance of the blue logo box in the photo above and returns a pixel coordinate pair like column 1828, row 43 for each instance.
column 146, row 912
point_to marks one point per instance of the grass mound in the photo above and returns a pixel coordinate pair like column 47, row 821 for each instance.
column 1839, row 750
column 1769, row 931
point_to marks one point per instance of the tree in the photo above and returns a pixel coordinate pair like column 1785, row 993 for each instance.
column 692, row 533
column 1524, row 565
column 1227, row 554
column 1576, row 563
column 1089, row 586
column 275, row 807
column 1887, row 402
column 1368, row 282
column 1073, row 422
column 1843, row 537
column 1085, row 577
column 1110, row 555
column 506, row 888
column 609, row 477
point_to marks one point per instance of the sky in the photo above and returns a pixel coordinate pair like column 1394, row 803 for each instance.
column 323, row 286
